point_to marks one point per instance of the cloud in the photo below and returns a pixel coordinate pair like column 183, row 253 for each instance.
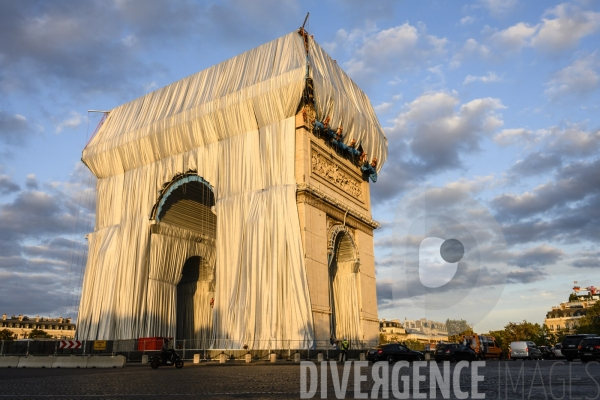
column 42, row 251
column 14, row 129
column 99, row 47
column 538, row 256
column 564, row 209
column 569, row 25
column 498, row 8
column 7, row 185
column 383, row 107
column 431, row 135
column 489, row 78
column 71, row 122
column 579, row 78
column 515, row 37
column 518, row 135
column 384, row 51
column 441, row 129
column 472, row 186
column 471, row 48
column 587, row 260
column 536, row 163
column 31, row 182
column 466, row 20
column 527, row 276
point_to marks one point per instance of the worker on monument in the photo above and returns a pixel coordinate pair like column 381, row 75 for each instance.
column 345, row 346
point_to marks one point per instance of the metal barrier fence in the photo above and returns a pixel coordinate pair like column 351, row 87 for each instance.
column 134, row 349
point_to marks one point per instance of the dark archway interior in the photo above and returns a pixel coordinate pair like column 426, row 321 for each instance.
column 343, row 252
column 189, row 207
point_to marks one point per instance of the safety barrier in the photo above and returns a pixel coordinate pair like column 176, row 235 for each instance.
column 9, row 362
column 36, row 362
column 71, row 362
column 134, row 350
column 106, row 362
column 62, row 362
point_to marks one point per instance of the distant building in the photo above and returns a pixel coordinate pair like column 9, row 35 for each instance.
column 425, row 330
column 421, row 330
column 566, row 316
column 391, row 330
column 21, row 326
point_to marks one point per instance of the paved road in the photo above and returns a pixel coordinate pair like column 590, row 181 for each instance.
column 498, row 380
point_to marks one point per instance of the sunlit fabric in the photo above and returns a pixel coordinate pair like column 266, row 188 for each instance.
column 232, row 125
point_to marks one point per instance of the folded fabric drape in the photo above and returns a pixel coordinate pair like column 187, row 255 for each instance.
column 234, row 125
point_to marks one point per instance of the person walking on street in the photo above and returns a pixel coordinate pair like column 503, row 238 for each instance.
column 345, row 346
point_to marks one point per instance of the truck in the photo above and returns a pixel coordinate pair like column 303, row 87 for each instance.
column 484, row 346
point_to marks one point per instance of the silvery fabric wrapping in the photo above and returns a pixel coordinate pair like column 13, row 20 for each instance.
column 234, row 124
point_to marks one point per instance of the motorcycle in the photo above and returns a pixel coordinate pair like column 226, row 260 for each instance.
column 157, row 360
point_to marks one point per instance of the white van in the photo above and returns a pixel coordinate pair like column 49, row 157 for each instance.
column 524, row 350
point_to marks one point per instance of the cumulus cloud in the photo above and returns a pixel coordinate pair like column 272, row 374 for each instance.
column 538, row 256
column 7, row 185
column 42, row 251
column 471, row 48
column 536, row 163
column 565, row 26
column 579, row 78
column 518, row 135
column 98, row 47
column 441, row 129
column 562, row 210
column 498, row 8
column 466, row 20
column 515, row 37
column 73, row 121
column 588, row 259
column 431, row 134
column 14, row 129
column 401, row 47
column 472, row 186
column 489, row 78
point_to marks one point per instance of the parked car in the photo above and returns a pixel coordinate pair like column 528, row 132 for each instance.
column 484, row 346
column 558, row 350
column 393, row 352
column 547, row 352
column 454, row 352
column 589, row 349
column 570, row 343
column 524, row 350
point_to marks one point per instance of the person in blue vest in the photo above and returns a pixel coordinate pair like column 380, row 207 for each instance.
column 345, row 345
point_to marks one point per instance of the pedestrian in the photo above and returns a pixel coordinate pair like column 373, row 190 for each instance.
column 332, row 341
column 345, row 347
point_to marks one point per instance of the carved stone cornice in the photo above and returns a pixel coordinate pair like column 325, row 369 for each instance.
column 311, row 195
column 324, row 167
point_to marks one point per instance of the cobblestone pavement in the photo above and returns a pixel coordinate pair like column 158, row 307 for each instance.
column 499, row 380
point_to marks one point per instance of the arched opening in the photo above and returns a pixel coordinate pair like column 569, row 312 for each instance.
column 343, row 282
column 187, row 202
column 182, row 259
column 195, row 293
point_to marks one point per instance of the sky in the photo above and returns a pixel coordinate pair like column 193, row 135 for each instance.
column 496, row 100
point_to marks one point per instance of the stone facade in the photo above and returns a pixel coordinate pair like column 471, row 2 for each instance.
column 566, row 316
column 334, row 198
column 22, row 325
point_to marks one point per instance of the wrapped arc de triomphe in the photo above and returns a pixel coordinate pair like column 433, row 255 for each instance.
column 228, row 213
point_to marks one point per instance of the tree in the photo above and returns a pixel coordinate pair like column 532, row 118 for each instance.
column 39, row 334
column 590, row 322
column 5, row 334
column 382, row 339
column 573, row 298
column 456, row 328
